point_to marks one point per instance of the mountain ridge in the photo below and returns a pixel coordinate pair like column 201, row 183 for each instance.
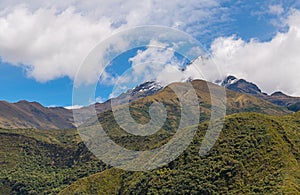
column 24, row 114
column 246, row 87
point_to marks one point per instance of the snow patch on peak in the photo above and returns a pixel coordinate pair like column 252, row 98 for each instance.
column 229, row 80
column 150, row 87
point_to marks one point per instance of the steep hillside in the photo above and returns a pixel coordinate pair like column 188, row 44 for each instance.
column 25, row 114
column 255, row 154
column 43, row 162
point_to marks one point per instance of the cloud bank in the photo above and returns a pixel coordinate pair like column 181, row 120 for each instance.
column 51, row 39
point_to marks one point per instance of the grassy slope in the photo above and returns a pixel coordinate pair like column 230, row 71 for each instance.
column 255, row 154
column 25, row 114
column 236, row 102
column 106, row 182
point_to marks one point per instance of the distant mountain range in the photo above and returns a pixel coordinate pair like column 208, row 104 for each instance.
column 278, row 98
column 242, row 96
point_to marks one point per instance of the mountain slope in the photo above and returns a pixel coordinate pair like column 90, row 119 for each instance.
column 255, row 154
column 282, row 99
column 139, row 111
column 43, row 162
column 251, row 148
column 25, row 114
column 235, row 102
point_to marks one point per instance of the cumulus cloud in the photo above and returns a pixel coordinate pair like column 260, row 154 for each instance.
column 47, row 43
column 273, row 65
column 152, row 61
column 160, row 62
column 51, row 39
column 157, row 62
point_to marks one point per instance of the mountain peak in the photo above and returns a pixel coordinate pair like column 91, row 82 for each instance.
column 228, row 81
column 27, row 103
column 240, row 85
column 149, row 87
column 24, row 114
column 143, row 90
column 278, row 94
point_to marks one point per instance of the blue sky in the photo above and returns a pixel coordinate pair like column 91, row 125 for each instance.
column 16, row 86
column 41, row 45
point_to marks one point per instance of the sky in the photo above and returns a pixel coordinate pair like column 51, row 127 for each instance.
column 43, row 44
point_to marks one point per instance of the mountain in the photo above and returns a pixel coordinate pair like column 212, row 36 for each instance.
column 143, row 90
column 139, row 108
column 231, row 83
column 241, row 85
column 278, row 98
column 236, row 102
column 294, row 107
column 282, row 99
column 138, row 98
column 24, row 114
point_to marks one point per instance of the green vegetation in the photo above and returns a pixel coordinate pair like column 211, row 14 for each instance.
column 255, row 154
column 106, row 182
column 35, row 162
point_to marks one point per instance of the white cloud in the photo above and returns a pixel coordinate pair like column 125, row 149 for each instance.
column 52, row 38
column 273, row 65
column 50, row 45
column 152, row 60
column 170, row 74
column 157, row 62
column 100, row 99
column 276, row 9
column 72, row 107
